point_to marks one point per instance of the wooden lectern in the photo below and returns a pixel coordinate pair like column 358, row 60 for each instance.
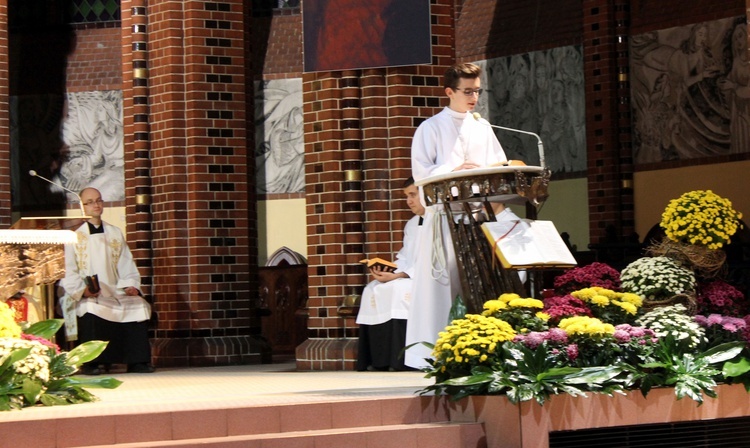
column 463, row 194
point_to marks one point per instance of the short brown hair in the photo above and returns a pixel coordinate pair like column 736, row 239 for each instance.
column 454, row 74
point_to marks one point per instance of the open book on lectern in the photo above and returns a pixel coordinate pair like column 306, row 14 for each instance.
column 525, row 244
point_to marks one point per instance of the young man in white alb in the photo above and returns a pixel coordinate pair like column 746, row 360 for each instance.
column 452, row 140
column 385, row 303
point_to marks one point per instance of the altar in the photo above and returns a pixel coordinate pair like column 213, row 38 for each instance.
column 31, row 261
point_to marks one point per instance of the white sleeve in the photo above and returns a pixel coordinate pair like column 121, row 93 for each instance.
column 127, row 271
column 405, row 259
column 72, row 283
column 425, row 157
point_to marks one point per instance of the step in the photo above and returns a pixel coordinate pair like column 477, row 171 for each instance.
column 416, row 435
column 153, row 426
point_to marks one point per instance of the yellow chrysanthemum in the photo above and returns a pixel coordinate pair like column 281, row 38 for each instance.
column 586, row 326
column 8, row 326
column 471, row 339
column 493, row 306
column 701, row 218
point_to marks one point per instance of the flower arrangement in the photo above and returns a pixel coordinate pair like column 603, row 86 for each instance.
column 610, row 306
column 701, row 218
column 719, row 297
column 594, row 274
column 589, row 327
column 555, row 340
column 634, row 344
column 558, row 308
column 719, row 329
column 603, row 334
column 34, row 371
column 673, row 320
column 657, row 278
column 523, row 315
column 470, row 342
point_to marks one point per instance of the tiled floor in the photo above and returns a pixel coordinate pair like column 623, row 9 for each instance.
column 230, row 387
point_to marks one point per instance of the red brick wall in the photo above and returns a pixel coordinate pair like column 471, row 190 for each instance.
column 188, row 181
column 96, row 60
column 277, row 45
column 358, row 129
column 488, row 29
column 5, row 182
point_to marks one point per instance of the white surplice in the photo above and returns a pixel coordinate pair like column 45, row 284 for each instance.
column 441, row 143
column 107, row 255
column 382, row 302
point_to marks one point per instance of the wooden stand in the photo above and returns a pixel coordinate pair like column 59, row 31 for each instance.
column 481, row 277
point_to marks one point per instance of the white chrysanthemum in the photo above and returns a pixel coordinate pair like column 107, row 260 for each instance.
column 36, row 365
column 672, row 320
column 657, row 278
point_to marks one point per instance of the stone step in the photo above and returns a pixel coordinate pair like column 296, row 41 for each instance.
column 416, row 435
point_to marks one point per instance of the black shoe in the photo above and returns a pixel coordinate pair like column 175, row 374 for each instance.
column 90, row 370
column 141, row 367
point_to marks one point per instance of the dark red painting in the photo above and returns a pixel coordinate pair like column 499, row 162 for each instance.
column 352, row 34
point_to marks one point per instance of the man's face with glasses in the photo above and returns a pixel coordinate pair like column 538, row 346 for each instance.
column 92, row 203
column 465, row 97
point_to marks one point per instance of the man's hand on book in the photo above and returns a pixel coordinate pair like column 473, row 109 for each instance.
column 385, row 276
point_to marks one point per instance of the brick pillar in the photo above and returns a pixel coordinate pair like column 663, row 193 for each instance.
column 358, row 130
column 624, row 161
column 197, row 154
column 5, row 183
column 607, row 118
column 137, row 139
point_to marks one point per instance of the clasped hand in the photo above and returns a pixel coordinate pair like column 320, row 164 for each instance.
column 384, row 276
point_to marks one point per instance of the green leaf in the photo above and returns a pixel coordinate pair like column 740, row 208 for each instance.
column 32, row 389
column 45, row 329
column 733, row 369
column 105, row 382
column 14, row 356
column 53, row 400
column 593, row 375
column 469, row 380
column 723, row 352
column 88, row 351
column 557, row 372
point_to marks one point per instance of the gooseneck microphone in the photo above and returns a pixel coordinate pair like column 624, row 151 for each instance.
column 540, row 146
column 80, row 202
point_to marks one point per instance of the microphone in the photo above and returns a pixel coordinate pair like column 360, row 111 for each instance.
column 80, row 202
column 540, row 146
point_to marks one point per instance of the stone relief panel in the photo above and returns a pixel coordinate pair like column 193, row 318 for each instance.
column 92, row 134
column 689, row 91
column 279, row 142
column 540, row 92
column 75, row 140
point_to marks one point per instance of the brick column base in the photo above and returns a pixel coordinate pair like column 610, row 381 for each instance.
column 210, row 351
column 327, row 354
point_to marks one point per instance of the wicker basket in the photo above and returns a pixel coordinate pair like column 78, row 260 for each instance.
column 707, row 263
column 687, row 300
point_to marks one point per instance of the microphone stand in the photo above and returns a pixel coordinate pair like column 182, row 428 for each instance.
column 540, row 146
column 80, row 202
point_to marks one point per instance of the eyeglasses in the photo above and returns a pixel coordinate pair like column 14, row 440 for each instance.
column 469, row 92
column 92, row 202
